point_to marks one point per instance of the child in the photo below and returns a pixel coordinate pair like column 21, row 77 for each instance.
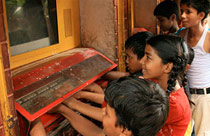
column 134, row 48
column 135, row 107
column 167, row 13
column 165, row 60
column 197, row 36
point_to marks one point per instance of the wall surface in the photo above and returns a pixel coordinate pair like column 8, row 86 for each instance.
column 98, row 29
column 143, row 14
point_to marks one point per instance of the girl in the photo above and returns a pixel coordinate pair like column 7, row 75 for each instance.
column 165, row 61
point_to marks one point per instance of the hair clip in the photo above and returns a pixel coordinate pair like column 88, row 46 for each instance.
column 168, row 91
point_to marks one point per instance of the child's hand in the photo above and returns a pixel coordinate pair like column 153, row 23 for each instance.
column 56, row 109
column 94, row 88
column 71, row 103
column 78, row 95
column 64, row 89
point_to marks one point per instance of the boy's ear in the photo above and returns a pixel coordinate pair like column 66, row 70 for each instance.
column 173, row 17
column 201, row 15
column 125, row 132
column 168, row 67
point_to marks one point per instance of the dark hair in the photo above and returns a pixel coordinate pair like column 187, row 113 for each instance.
column 141, row 106
column 166, row 9
column 171, row 49
column 184, row 77
column 137, row 43
column 191, row 55
column 199, row 5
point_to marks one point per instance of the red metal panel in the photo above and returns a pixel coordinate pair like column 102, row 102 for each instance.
column 31, row 77
column 47, row 70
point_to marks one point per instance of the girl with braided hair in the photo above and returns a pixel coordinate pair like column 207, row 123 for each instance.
column 165, row 60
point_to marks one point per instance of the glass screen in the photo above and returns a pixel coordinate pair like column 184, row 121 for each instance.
column 32, row 24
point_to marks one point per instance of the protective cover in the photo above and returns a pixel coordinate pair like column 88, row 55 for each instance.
column 43, row 85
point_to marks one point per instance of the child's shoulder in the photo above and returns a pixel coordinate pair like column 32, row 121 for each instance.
column 208, row 41
column 181, row 32
column 177, row 96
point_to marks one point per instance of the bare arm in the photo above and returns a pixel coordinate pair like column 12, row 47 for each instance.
column 86, row 109
column 94, row 88
column 94, row 97
column 112, row 75
column 37, row 128
column 81, row 124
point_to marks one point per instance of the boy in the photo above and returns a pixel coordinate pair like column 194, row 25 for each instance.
column 197, row 36
column 135, row 107
column 134, row 47
column 167, row 13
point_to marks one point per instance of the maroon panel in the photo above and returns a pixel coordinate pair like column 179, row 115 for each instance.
column 2, row 30
column 2, row 133
column 125, row 8
column 1, row 7
column 126, row 34
column 5, row 55
column 116, row 12
column 8, row 79
column 12, row 105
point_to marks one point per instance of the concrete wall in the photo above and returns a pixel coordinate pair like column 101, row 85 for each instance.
column 98, row 30
column 143, row 14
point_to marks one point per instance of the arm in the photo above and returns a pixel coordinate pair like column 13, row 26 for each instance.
column 94, row 97
column 37, row 128
column 112, row 75
column 81, row 124
column 86, row 109
column 94, row 88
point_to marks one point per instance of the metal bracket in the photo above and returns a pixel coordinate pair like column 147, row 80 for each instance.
column 11, row 122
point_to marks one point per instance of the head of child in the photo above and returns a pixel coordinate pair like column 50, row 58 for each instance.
column 194, row 11
column 135, row 107
column 165, row 60
column 167, row 13
column 135, row 46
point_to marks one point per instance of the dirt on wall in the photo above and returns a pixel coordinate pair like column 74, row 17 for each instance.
column 97, row 18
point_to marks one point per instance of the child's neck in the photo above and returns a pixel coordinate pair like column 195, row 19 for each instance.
column 164, row 84
column 196, row 31
column 174, row 28
column 194, row 35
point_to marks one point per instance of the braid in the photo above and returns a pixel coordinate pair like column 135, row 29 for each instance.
column 178, row 67
column 184, row 80
column 185, row 85
column 172, row 80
